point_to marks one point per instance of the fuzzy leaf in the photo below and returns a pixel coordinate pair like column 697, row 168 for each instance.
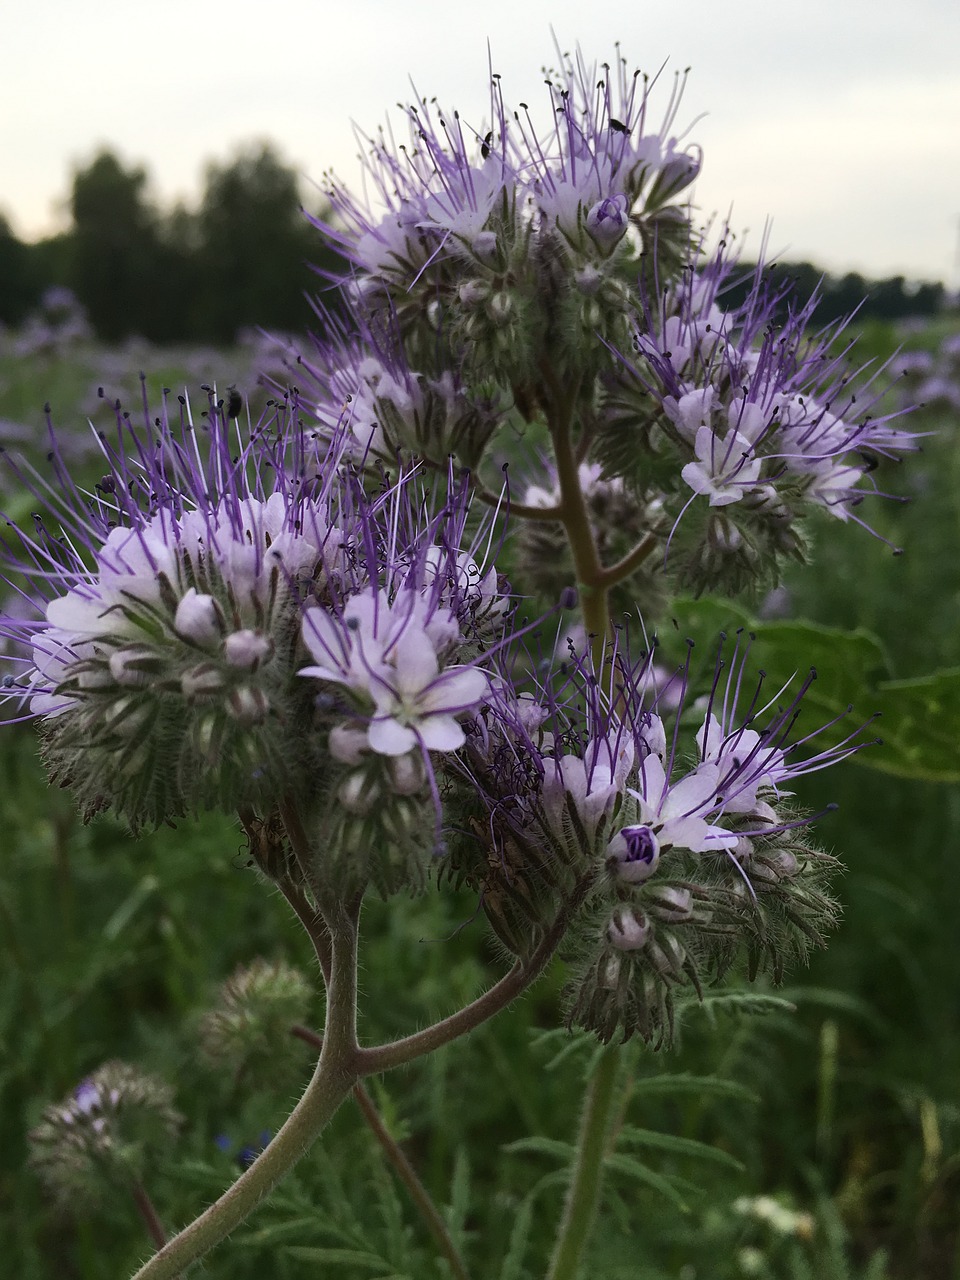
column 542, row 1147
column 678, row 1146
column 633, row 1168
column 685, row 1083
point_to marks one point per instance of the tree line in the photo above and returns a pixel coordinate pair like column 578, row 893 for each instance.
column 246, row 256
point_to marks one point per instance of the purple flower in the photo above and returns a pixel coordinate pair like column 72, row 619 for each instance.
column 765, row 413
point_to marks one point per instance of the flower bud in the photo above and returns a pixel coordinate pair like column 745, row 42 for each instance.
column 607, row 220
column 407, row 774
column 670, row 902
column 628, row 930
column 247, row 705
column 473, row 292
column 247, row 649
column 633, row 854
column 359, row 792
column 102, row 1138
column 134, row 666
column 484, row 246
column 201, row 681
column 348, row 743
column 198, row 618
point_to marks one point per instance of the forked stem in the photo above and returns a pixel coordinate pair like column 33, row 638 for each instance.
column 334, row 1077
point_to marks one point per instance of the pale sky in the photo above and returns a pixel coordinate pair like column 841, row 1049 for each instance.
column 839, row 120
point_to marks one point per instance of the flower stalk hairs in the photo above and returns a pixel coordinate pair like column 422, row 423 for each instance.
column 306, row 623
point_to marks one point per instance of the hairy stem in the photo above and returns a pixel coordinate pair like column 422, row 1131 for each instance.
column 594, row 582
column 384, row 1057
column 583, row 1196
column 149, row 1215
column 404, row 1169
column 335, row 1075
column 615, row 573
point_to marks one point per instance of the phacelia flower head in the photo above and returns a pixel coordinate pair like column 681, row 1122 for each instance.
column 163, row 670
column 674, row 820
column 105, row 1135
column 763, row 422
column 512, row 241
column 228, row 609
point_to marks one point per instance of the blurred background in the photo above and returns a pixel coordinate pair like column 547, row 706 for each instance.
column 153, row 165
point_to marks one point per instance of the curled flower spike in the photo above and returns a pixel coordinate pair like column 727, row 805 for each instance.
column 104, row 1136
column 763, row 418
column 162, row 672
column 693, row 857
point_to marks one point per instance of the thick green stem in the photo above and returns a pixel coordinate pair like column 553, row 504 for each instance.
column 333, row 1079
column 594, row 582
column 404, row 1169
column 583, row 1196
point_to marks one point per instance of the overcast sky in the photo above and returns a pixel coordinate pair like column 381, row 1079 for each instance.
column 837, row 119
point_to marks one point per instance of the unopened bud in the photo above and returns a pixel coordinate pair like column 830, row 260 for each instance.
column 473, row 292
column 198, row 618
column 201, row 681
column 348, row 743
column 670, row 903
column 134, row 666
column 628, row 931
column 407, row 773
column 247, row 649
column 359, row 792
column 248, row 705
column 633, row 854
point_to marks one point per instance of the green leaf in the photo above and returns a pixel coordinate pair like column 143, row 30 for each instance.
column 309, row 1253
column 685, row 1083
column 678, row 1146
column 279, row 1231
column 921, row 727
column 633, row 1168
column 753, row 1003
column 512, row 1268
column 920, row 724
column 543, row 1147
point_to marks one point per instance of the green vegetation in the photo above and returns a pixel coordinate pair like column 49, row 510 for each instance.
column 841, row 1102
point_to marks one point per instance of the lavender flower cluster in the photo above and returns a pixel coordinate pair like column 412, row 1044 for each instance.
column 306, row 617
column 684, row 844
column 511, row 269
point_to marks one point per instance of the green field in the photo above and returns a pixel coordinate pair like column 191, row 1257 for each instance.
column 845, row 1108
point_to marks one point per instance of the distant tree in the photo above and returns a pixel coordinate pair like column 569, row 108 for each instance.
column 115, row 259
column 19, row 285
column 255, row 247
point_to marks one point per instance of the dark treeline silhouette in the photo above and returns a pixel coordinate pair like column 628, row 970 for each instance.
column 893, row 298
column 245, row 257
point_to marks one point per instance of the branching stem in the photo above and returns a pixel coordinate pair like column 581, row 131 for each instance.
column 335, row 1075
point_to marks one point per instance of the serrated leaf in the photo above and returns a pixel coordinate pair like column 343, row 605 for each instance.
column 679, row 1146
column 311, row 1253
column 753, row 1003
column 633, row 1168
column 278, row 1231
column 684, row 1083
